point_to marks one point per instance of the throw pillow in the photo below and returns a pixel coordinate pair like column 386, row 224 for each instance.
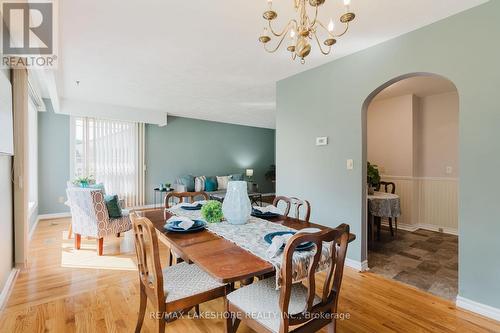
column 199, row 183
column 222, row 182
column 236, row 176
column 210, row 185
column 114, row 209
column 187, row 181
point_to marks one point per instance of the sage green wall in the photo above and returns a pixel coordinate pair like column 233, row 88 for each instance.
column 53, row 160
column 189, row 146
column 464, row 49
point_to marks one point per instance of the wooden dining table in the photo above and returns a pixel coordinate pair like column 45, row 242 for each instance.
column 224, row 260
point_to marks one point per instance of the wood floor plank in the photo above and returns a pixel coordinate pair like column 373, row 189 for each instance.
column 51, row 297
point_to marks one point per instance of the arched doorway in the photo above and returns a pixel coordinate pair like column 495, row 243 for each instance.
column 411, row 137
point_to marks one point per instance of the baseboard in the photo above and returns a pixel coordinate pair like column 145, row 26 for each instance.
column 430, row 227
column 7, row 289
column 357, row 265
column 479, row 308
column 54, row 216
column 33, row 228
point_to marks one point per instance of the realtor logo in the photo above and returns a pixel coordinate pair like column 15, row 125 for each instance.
column 28, row 34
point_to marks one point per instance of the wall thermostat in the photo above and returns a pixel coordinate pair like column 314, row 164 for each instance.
column 322, row 141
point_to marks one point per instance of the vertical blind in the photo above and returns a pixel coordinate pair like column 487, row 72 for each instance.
column 112, row 152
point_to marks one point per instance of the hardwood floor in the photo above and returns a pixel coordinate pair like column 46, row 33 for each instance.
column 72, row 291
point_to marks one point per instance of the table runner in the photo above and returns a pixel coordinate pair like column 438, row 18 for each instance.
column 250, row 236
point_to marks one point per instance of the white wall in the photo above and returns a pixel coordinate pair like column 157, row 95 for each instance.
column 437, row 135
column 414, row 140
column 6, row 226
column 6, row 217
column 390, row 135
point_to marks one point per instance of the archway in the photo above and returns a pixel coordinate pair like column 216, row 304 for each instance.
column 410, row 130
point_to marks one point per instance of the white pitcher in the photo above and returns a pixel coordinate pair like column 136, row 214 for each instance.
column 236, row 206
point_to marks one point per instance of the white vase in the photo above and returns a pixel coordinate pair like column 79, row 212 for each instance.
column 236, row 206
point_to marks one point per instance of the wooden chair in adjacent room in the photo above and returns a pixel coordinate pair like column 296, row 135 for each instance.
column 173, row 290
column 295, row 307
column 390, row 187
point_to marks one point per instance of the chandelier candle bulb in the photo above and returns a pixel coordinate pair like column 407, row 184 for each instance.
column 331, row 25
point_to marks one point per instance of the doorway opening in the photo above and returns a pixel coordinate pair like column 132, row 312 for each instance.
column 412, row 140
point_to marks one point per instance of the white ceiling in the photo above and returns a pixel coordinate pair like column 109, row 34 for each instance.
column 202, row 59
column 420, row 86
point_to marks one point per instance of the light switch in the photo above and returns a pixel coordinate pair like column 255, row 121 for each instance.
column 350, row 164
column 449, row 170
column 321, row 141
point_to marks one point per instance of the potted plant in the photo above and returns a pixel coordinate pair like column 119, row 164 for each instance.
column 84, row 181
column 212, row 211
column 373, row 177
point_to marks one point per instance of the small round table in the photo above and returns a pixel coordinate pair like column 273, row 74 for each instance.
column 381, row 204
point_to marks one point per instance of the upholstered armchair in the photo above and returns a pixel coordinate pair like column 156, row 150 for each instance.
column 90, row 216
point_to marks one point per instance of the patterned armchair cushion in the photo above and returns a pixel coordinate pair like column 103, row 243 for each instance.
column 90, row 215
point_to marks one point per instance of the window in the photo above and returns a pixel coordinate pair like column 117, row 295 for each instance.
column 111, row 152
column 32, row 157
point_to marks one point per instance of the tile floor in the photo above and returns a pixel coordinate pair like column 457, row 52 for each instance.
column 425, row 259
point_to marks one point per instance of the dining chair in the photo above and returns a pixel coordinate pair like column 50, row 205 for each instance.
column 182, row 196
column 174, row 257
column 173, row 290
column 294, row 307
column 394, row 232
column 90, row 218
column 294, row 204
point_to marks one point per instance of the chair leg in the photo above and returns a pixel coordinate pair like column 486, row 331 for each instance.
column 396, row 227
column 70, row 230
column 100, row 245
column 230, row 324
column 390, row 226
column 160, row 325
column 332, row 327
column 197, row 310
column 78, row 241
column 142, row 309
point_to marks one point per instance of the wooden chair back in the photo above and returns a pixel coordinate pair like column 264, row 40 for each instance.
column 386, row 187
column 295, row 205
column 337, row 240
column 148, row 260
column 184, row 195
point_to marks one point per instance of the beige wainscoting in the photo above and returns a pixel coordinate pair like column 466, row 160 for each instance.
column 427, row 202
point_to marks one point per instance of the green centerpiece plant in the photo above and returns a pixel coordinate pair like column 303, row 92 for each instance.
column 212, row 211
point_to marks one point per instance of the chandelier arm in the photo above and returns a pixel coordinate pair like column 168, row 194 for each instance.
column 319, row 23
column 315, row 17
column 277, row 46
column 285, row 30
column 319, row 45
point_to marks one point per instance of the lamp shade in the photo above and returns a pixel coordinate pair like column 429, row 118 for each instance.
column 249, row 172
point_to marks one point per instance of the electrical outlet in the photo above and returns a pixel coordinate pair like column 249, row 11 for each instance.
column 449, row 170
column 61, row 200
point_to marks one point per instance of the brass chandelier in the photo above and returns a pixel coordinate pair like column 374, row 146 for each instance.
column 304, row 29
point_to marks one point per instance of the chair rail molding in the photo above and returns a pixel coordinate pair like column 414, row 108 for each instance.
column 429, row 203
